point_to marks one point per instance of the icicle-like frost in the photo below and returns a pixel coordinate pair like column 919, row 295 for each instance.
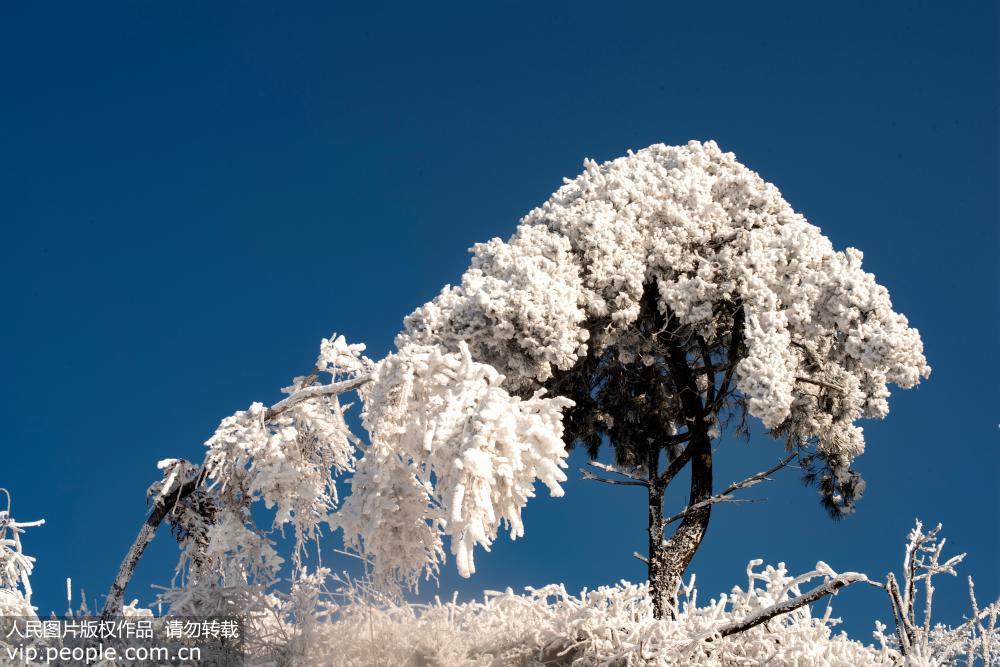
column 452, row 453
column 287, row 458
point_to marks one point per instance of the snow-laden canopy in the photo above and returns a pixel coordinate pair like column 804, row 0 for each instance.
column 460, row 428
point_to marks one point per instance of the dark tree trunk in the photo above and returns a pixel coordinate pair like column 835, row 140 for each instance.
column 677, row 552
column 161, row 508
column 656, row 563
column 668, row 559
column 682, row 545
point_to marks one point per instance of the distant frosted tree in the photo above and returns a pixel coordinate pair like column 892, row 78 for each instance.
column 649, row 304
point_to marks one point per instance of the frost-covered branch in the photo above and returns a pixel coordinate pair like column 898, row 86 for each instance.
column 307, row 393
column 15, row 565
column 987, row 644
column 927, row 641
column 162, row 506
column 677, row 464
column 820, row 383
column 829, row 587
column 452, row 453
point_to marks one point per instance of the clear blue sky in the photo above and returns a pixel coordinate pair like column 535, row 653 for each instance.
column 193, row 194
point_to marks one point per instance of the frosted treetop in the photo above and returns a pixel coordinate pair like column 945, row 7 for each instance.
column 705, row 230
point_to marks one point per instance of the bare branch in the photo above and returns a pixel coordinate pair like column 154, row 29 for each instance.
column 618, row 470
column 721, row 497
column 735, row 342
column 677, row 439
column 714, row 368
column 676, row 465
column 714, row 500
column 620, row 482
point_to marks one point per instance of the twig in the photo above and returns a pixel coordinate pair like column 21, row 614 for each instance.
column 813, row 357
column 721, row 497
column 622, row 482
column 619, row 471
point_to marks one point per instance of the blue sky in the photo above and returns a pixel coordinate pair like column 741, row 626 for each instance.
column 192, row 195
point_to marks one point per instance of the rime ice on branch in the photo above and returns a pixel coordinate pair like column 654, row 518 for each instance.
column 452, row 453
column 15, row 565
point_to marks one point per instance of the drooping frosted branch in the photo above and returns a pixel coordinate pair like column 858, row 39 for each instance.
column 452, row 453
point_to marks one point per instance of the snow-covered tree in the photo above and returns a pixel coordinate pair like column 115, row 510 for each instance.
column 648, row 305
column 663, row 293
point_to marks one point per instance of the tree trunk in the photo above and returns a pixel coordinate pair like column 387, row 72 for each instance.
column 682, row 545
column 656, row 564
column 161, row 508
